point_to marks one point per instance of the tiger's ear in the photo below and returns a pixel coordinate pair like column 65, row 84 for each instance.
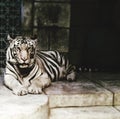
column 9, row 38
column 34, row 37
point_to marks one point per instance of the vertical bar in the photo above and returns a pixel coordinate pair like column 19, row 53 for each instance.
column 33, row 7
column 22, row 14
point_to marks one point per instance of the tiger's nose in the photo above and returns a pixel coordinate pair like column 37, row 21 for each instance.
column 24, row 56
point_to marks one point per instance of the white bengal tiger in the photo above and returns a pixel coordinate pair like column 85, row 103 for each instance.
column 30, row 71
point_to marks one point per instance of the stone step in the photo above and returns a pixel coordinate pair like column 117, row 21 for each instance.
column 105, row 112
column 109, row 81
column 97, row 92
column 22, row 107
column 113, row 86
column 81, row 93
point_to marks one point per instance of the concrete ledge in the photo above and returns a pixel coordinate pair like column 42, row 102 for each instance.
column 110, row 81
column 112, row 85
column 81, row 93
column 22, row 107
column 117, row 107
column 28, row 107
column 85, row 113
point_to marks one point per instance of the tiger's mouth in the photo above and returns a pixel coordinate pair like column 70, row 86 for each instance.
column 24, row 65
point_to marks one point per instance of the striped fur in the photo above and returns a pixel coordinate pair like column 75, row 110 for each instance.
column 29, row 70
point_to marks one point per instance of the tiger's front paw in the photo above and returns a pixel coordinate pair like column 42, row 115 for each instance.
column 20, row 91
column 33, row 89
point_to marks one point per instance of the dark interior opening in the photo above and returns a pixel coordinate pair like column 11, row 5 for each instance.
column 95, row 34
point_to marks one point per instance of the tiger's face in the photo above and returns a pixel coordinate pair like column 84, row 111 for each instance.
column 23, row 50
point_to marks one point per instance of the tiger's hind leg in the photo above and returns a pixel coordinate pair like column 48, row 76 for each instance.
column 71, row 74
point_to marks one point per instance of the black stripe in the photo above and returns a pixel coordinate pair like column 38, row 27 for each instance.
column 53, row 55
column 46, row 69
column 53, row 70
column 34, row 75
column 61, row 57
column 13, row 71
column 52, row 64
column 55, row 75
column 56, row 56
column 48, row 55
column 70, row 69
column 11, row 53
column 66, row 62
column 11, row 66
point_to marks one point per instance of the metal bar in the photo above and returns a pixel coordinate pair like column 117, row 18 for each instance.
column 52, row 1
column 59, row 27
column 33, row 8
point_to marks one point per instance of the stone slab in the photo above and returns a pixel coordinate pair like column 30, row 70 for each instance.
column 22, row 107
column 105, row 112
column 80, row 93
column 113, row 86
column 110, row 81
column 118, row 108
column 102, row 75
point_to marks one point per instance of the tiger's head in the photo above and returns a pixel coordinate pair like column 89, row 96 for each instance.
column 23, row 50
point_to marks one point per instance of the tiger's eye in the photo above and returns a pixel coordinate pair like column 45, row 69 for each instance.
column 29, row 48
column 18, row 49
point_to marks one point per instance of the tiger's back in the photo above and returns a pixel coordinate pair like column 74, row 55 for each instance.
column 56, row 65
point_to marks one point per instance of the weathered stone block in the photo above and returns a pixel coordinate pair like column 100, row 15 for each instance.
column 81, row 93
column 118, row 108
column 26, row 107
column 105, row 112
column 112, row 85
column 22, row 107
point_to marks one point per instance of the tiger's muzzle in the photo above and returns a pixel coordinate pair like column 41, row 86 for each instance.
column 23, row 65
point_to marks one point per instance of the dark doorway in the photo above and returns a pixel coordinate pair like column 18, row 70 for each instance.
column 95, row 34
